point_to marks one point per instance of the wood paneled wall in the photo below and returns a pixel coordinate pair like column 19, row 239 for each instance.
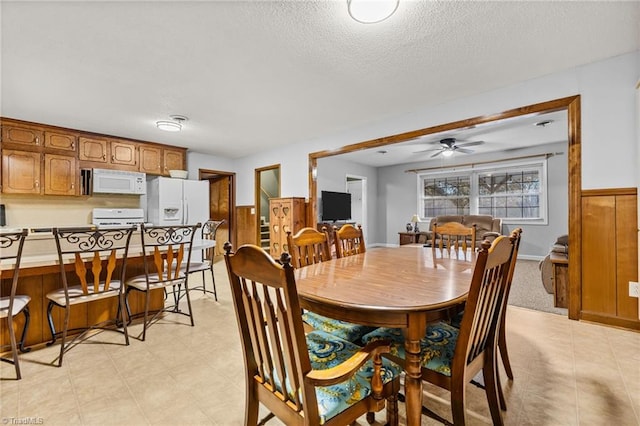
column 246, row 230
column 609, row 256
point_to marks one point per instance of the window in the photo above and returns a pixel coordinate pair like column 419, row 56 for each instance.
column 516, row 193
column 446, row 195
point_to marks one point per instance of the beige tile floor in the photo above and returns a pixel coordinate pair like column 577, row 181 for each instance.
column 566, row 373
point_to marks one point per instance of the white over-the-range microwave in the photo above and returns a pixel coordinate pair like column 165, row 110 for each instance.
column 105, row 181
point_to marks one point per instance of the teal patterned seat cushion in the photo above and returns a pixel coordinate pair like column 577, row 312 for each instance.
column 326, row 351
column 342, row 329
column 436, row 347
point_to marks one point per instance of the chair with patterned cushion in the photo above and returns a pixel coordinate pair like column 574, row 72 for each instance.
column 307, row 247
column 303, row 379
column 94, row 254
column 453, row 235
column 167, row 249
column 502, row 332
column 11, row 244
column 452, row 356
column 208, row 234
column 348, row 240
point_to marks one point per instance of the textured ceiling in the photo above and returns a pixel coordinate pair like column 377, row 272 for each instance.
column 267, row 73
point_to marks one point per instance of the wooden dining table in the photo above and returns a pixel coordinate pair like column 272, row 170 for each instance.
column 405, row 287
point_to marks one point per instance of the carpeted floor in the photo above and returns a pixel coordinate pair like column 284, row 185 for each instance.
column 527, row 290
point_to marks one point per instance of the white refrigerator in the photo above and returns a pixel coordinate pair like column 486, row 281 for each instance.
column 178, row 202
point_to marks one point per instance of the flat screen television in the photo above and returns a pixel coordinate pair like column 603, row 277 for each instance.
column 335, row 205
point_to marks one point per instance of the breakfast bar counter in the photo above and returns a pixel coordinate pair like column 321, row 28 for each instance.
column 40, row 274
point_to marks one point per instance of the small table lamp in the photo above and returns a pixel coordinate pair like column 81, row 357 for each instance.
column 415, row 219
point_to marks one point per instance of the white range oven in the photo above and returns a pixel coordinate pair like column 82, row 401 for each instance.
column 117, row 217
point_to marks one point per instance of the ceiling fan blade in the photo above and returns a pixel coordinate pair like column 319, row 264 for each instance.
column 436, row 154
column 464, row 150
column 427, row 150
column 465, row 144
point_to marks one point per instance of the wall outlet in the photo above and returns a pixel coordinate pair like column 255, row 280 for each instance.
column 634, row 289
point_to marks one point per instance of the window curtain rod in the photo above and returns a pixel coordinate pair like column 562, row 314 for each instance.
column 545, row 155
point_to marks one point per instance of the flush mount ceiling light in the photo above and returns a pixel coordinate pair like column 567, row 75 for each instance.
column 172, row 126
column 371, row 11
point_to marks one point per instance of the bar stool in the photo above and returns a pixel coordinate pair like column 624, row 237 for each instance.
column 11, row 243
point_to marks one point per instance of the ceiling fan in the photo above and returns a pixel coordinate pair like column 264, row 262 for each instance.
column 449, row 145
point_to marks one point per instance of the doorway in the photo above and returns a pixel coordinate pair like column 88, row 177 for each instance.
column 267, row 180
column 222, row 205
column 357, row 187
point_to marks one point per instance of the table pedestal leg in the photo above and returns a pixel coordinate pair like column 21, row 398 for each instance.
column 413, row 378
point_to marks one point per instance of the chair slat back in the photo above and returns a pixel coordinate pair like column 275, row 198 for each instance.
column 270, row 324
column 308, row 246
column 453, row 235
column 98, row 247
column 483, row 307
column 349, row 240
column 169, row 248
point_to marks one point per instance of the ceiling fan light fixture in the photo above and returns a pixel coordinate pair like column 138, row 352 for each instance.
column 447, row 153
column 371, row 11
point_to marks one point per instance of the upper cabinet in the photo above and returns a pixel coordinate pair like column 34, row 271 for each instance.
column 54, row 140
column 42, row 159
column 173, row 160
column 23, row 135
column 93, row 149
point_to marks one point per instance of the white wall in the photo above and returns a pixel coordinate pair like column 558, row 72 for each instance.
column 608, row 120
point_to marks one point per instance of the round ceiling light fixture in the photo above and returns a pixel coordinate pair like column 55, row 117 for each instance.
column 447, row 153
column 172, row 126
column 371, row 11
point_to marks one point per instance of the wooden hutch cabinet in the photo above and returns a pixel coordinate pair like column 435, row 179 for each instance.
column 285, row 214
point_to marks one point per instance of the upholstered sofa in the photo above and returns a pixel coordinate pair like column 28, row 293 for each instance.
column 486, row 226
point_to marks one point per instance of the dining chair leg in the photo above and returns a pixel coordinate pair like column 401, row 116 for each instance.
column 51, row 326
column 14, row 350
column 27, row 320
column 146, row 313
column 67, row 312
column 213, row 280
column 458, row 397
column 122, row 320
column 503, row 402
column 491, row 389
column 504, row 354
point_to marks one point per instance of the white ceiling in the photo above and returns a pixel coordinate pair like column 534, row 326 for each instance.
column 251, row 74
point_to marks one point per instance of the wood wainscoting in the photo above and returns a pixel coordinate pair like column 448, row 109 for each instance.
column 609, row 256
column 246, row 230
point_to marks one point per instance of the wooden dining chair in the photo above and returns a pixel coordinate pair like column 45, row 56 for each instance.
column 11, row 244
column 94, row 254
column 303, row 379
column 310, row 246
column 167, row 249
column 453, row 235
column 207, row 233
column 452, row 356
column 348, row 240
column 516, row 235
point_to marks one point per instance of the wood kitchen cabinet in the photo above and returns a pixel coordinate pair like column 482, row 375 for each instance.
column 60, row 141
column 94, row 150
column 24, row 135
column 60, row 174
column 173, row 159
column 123, row 153
column 285, row 214
column 150, row 159
column 21, row 171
